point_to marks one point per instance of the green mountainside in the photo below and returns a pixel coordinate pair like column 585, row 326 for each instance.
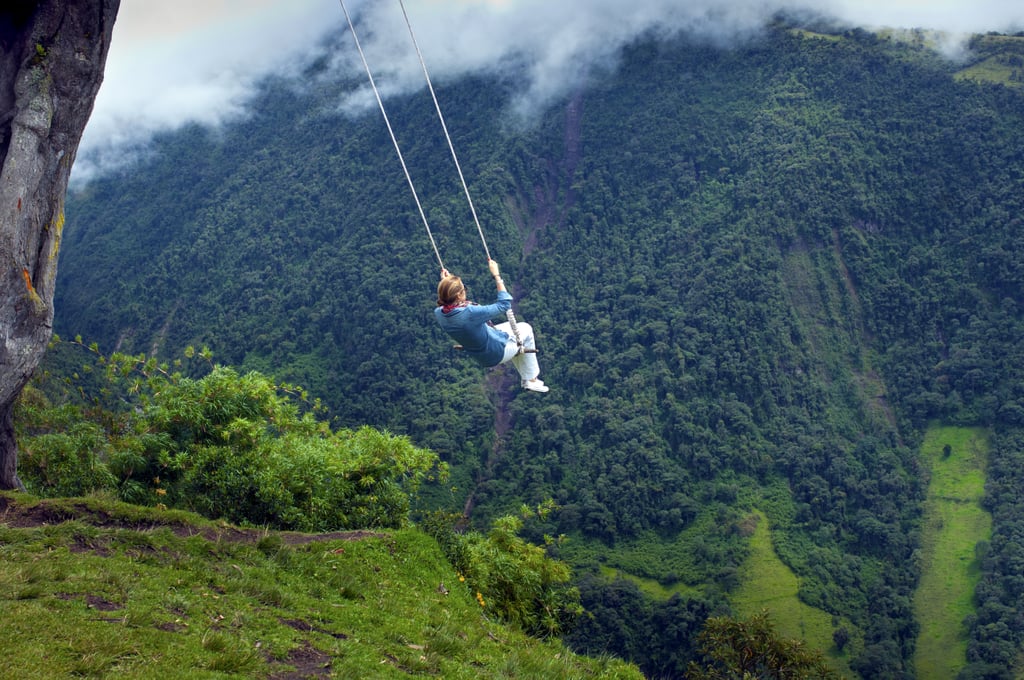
column 757, row 275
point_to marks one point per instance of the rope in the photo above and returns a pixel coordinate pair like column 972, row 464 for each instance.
column 511, row 316
column 394, row 140
column 440, row 117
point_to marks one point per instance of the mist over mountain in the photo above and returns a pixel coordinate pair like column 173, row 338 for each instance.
column 761, row 273
column 200, row 61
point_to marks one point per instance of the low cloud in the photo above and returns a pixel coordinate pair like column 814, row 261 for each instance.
column 191, row 61
column 550, row 46
column 200, row 60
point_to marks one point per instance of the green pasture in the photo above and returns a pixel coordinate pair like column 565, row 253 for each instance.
column 954, row 524
column 767, row 583
column 651, row 587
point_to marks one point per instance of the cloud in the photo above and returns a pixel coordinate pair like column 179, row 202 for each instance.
column 550, row 45
column 191, row 61
column 559, row 42
column 959, row 17
column 199, row 60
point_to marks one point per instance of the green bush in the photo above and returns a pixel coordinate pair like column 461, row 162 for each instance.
column 239, row 447
column 734, row 648
column 511, row 578
column 306, row 483
column 65, row 463
column 60, row 453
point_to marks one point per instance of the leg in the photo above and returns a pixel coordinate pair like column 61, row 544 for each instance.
column 526, row 364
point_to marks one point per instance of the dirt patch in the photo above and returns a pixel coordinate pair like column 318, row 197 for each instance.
column 96, row 602
column 18, row 517
column 307, row 662
column 100, row 604
column 57, row 511
column 83, row 546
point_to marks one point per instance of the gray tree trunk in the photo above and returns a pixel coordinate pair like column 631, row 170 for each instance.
column 51, row 65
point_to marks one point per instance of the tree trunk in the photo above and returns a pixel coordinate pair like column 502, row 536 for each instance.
column 51, row 65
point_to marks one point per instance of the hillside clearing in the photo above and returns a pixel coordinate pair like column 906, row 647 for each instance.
column 769, row 584
column 954, row 525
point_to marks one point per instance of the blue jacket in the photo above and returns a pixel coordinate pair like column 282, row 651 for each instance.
column 468, row 326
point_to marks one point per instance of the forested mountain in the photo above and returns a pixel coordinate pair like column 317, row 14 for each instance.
column 757, row 273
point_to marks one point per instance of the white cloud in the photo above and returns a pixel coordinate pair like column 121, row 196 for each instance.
column 192, row 61
column 555, row 43
column 952, row 16
column 197, row 60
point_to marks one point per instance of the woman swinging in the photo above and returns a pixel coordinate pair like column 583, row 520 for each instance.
column 464, row 321
column 469, row 324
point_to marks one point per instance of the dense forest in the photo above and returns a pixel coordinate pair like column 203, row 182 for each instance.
column 757, row 274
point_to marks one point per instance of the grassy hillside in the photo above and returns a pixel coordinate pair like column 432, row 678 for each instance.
column 955, row 527
column 768, row 584
column 94, row 588
column 997, row 59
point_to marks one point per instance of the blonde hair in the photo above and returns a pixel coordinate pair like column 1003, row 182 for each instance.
column 448, row 290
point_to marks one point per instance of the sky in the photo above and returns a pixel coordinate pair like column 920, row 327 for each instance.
column 174, row 62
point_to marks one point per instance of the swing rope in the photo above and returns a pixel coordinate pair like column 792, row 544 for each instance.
column 394, row 140
column 444, row 126
column 510, row 315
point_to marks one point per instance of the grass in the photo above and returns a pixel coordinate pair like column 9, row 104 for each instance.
column 991, row 70
column 767, row 583
column 649, row 586
column 804, row 33
column 93, row 588
column 1001, row 61
column 954, row 524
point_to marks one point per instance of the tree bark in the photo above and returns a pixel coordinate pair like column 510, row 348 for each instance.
column 51, row 66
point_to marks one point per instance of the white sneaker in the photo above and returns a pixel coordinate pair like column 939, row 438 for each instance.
column 535, row 385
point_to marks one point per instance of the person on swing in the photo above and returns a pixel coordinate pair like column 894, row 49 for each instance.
column 469, row 324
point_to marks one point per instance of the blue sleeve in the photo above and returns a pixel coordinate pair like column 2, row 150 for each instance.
column 484, row 313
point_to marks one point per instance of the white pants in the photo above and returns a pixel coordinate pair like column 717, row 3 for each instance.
column 525, row 363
